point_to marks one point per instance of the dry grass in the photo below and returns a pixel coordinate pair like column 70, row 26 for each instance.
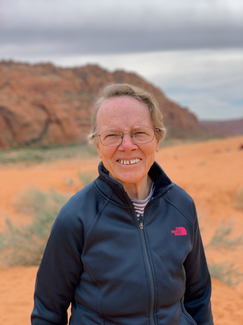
column 226, row 273
column 46, row 154
column 86, row 177
column 24, row 245
column 221, row 237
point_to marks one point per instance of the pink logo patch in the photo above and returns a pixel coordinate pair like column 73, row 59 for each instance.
column 180, row 231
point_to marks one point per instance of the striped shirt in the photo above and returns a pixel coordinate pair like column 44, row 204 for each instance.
column 139, row 205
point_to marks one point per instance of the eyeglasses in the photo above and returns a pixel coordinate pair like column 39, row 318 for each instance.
column 113, row 138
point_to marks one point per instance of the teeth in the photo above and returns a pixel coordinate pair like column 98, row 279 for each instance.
column 129, row 162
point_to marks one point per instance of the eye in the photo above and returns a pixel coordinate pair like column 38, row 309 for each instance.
column 111, row 135
column 139, row 133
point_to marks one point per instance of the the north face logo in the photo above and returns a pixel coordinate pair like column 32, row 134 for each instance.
column 180, row 231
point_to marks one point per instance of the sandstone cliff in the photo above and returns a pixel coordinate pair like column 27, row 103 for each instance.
column 222, row 128
column 43, row 104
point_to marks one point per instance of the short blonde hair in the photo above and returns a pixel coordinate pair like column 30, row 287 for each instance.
column 119, row 90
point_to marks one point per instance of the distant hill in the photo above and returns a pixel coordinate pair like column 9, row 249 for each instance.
column 43, row 104
column 222, row 128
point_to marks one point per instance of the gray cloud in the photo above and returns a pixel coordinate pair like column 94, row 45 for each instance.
column 89, row 41
column 193, row 50
column 81, row 27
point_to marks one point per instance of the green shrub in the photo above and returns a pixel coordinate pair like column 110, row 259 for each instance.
column 36, row 154
column 86, row 177
column 68, row 182
column 226, row 272
column 24, row 245
column 221, row 237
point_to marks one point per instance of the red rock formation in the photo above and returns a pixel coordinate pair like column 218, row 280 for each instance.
column 43, row 104
column 222, row 128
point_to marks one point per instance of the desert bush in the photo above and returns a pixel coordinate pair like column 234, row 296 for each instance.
column 221, row 237
column 238, row 199
column 86, row 177
column 24, row 245
column 47, row 153
column 68, row 182
column 226, row 273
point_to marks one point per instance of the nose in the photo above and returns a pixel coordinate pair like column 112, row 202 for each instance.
column 127, row 144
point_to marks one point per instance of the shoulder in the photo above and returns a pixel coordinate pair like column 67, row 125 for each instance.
column 182, row 201
column 80, row 210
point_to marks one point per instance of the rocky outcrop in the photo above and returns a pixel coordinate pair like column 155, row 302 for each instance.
column 222, row 128
column 43, row 104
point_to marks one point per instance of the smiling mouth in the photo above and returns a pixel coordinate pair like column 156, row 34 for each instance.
column 129, row 162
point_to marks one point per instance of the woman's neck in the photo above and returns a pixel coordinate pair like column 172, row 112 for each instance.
column 138, row 191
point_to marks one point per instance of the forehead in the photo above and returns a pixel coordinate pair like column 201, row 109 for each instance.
column 123, row 113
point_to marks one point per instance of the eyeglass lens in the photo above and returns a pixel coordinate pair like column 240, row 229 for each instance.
column 115, row 137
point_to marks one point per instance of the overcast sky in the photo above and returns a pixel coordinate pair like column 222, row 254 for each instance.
column 191, row 49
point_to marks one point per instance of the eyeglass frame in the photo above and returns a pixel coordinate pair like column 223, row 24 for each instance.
column 130, row 133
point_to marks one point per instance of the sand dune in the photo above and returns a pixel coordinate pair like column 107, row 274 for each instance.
column 210, row 171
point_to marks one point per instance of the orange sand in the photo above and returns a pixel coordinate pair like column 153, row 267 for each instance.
column 210, row 172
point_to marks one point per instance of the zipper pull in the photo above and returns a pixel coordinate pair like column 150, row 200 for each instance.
column 140, row 221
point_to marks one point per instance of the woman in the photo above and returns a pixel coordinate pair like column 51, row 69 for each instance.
column 126, row 249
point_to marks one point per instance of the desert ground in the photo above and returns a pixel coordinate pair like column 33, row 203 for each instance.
column 210, row 171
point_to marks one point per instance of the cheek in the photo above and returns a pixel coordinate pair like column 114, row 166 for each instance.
column 106, row 153
column 152, row 151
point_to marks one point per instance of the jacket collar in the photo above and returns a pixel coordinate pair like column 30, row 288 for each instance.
column 115, row 192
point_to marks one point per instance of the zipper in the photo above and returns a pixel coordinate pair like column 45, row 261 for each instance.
column 149, row 268
column 140, row 221
column 151, row 280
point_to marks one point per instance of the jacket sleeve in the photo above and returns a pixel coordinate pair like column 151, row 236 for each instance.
column 198, row 284
column 59, row 271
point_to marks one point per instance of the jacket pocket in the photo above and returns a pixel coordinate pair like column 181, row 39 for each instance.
column 188, row 317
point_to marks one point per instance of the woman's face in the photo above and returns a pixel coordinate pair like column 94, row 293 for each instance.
column 125, row 114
